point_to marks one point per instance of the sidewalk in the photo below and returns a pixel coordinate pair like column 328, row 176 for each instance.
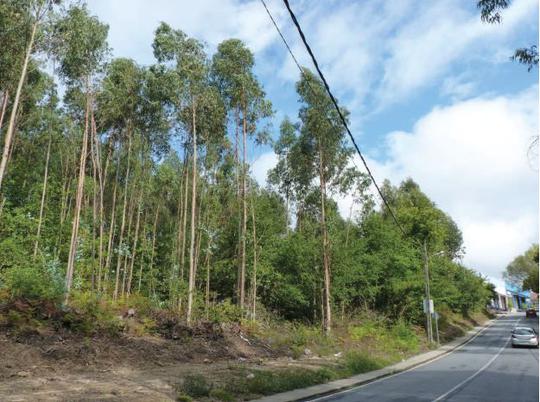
column 338, row 385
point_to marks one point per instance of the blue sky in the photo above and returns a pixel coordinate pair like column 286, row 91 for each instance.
column 431, row 90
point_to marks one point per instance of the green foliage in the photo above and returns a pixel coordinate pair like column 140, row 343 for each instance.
column 222, row 395
column 90, row 314
column 523, row 270
column 360, row 362
column 226, row 311
column 31, row 283
column 196, row 386
column 270, row 382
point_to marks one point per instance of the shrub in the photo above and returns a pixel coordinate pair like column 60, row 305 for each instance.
column 226, row 311
column 31, row 283
column 90, row 314
column 360, row 362
column 196, row 386
column 404, row 338
column 268, row 382
column 222, row 395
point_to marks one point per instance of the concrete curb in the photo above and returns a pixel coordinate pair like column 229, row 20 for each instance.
column 346, row 383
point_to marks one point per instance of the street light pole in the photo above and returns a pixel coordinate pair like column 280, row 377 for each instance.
column 428, row 296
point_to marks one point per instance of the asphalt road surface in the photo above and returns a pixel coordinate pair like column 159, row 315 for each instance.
column 485, row 369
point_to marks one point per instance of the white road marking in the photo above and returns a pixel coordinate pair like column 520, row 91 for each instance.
column 470, row 378
column 409, row 369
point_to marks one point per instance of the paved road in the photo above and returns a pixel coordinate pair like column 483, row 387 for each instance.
column 485, row 369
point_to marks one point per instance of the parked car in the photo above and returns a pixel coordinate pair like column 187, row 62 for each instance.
column 531, row 313
column 524, row 336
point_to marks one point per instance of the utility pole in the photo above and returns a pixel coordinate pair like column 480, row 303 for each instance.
column 427, row 305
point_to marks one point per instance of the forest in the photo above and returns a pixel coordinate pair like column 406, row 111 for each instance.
column 126, row 182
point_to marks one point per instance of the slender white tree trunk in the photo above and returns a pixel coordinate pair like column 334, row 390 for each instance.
column 43, row 193
column 78, row 200
column 191, row 282
column 11, row 126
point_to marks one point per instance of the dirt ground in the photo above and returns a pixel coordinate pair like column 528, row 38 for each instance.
column 66, row 367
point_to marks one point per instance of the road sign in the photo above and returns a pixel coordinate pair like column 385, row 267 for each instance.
column 428, row 307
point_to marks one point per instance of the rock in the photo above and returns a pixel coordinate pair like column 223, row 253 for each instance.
column 308, row 352
column 23, row 374
column 250, row 376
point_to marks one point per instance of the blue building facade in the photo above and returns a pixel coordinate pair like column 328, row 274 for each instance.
column 521, row 299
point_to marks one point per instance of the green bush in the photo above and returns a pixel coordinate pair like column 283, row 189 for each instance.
column 196, row 386
column 404, row 338
column 360, row 362
column 268, row 382
column 90, row 313
column 226, row 311
column 222, row 395
column 31, row 283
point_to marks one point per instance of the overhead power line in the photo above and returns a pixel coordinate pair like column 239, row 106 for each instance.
column 332, row 98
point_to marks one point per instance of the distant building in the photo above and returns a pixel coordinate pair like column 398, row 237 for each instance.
column 521, row 299
column 500, row 301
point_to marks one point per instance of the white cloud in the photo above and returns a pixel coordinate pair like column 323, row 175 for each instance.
column 441, row 35
column 457, row 87
column 471, row 159
column 132, row 23
column 261, row 166
column 384, row 52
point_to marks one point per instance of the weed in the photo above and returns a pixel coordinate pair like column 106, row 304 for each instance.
column 356, row 362
column 196, row 386
column 222, row 395
column 269, row 382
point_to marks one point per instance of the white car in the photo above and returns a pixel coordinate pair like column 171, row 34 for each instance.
column 524, row 336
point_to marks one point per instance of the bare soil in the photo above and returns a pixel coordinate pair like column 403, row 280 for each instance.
column 56, row 364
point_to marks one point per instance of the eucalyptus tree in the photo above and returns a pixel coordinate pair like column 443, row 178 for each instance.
column 320, row 152
column 233, row 71
column 281, row 176
column 195, row 99
column 80, row 44
column 33, row 13
column 118, row 106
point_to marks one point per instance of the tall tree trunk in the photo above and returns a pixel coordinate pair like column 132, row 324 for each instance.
column 254, row 277
column 184, row 229
column 4, row 106
column 327, row 321
column 238, row 198
column 101, row 196
column 144, row 243
column 135, row 240
column 11, row 126
column 112, row 223
column 244, row 215
column 191, row 282
column 349, row 221
column 152, row 254
column 287, row 202
column 43, row 193
column 123, row 224
column 94, row 199
column 207, row 287
column 78, row 200
column 126, row 257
